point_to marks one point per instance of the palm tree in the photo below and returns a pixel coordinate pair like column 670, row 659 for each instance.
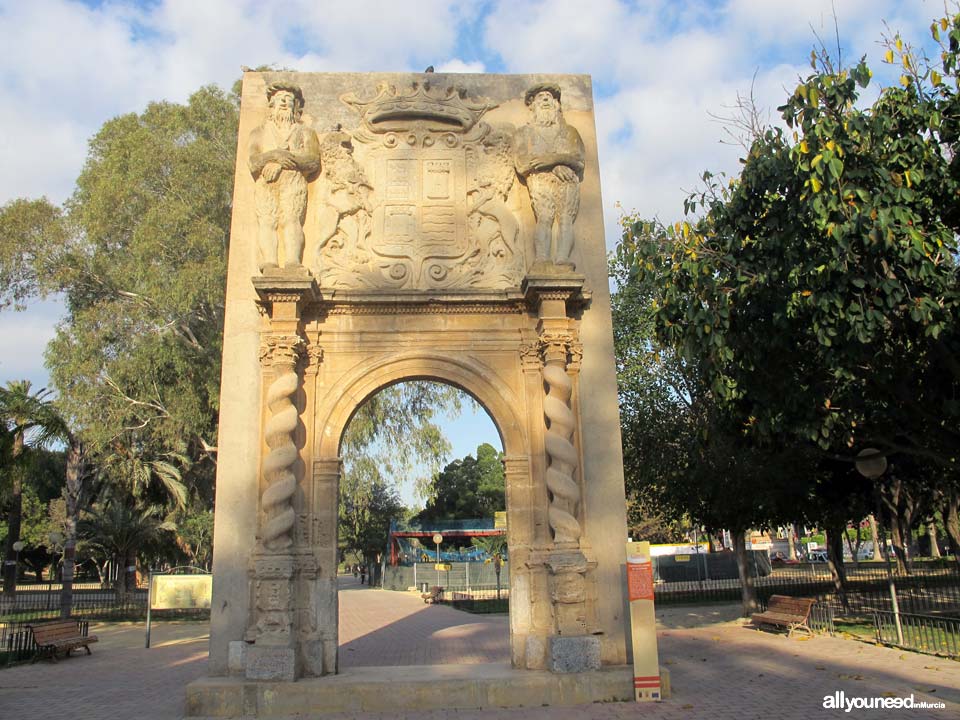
column 129, row 467
column 32, row 421
column 118, row 529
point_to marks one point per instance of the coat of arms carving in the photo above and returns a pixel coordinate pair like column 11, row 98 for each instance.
column 418, row 196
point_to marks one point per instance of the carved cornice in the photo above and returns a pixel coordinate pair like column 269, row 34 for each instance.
column 429, row 308
column 569, row 288
column 281, row 350
column 325, row 468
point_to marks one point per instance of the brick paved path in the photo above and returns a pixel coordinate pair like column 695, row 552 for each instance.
column 720, row 670
column 389, row 628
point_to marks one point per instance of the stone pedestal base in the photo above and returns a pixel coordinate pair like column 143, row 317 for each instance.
column 574, row 654
column 273, row 663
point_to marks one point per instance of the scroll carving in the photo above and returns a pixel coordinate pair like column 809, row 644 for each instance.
column 282, row 353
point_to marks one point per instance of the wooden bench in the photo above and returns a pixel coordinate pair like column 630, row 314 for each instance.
column 433, row 596
column 789, row 612
column 59, row 636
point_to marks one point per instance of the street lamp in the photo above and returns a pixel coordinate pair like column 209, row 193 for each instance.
column 871, row 463
column 17, row 547
column 438, row 538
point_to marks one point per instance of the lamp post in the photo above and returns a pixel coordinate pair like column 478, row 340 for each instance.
column 17, row 547
column 437, row 539
column 871, row 463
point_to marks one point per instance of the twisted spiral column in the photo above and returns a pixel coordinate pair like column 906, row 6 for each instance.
column 283, row 354
column 561, row 452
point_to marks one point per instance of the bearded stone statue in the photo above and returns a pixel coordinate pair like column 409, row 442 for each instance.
column 283, row 153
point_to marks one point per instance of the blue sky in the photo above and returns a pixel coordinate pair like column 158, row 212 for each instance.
column 662, row 71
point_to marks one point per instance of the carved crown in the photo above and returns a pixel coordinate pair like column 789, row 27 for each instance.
column 448, row 109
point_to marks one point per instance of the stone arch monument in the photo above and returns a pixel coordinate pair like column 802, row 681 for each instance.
column 390, row 227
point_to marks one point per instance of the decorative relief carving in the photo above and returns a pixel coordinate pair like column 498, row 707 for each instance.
column 283, row 353
column 434, row 213
column 561, row 348
column 282, row 152
column 281, row 350
column 314, row 356
column 530, row 355
column 274, row 600
column 550, row 158
column 568, row 592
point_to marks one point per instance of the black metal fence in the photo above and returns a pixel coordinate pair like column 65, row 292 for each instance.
column 931, row 587
column 934, row 634
column 38, row 604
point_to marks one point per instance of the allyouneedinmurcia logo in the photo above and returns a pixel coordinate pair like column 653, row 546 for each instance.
column 840, row 701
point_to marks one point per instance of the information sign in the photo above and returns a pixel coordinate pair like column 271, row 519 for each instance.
column 643, row 623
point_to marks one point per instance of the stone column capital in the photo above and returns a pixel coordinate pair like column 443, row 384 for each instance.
column 282, row 350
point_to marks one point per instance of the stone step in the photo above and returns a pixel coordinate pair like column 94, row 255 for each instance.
column 423, row 687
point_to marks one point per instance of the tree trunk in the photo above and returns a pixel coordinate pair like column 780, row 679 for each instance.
column 932, row 536
column 791, row 543
column 797, row 541
column 834, row 537
column 891, row 494
column 13, row 521
column 130, row 570
column 747, row 590
column 874, row 537
column 899, row 552
column 74, row 478
column 951, row 520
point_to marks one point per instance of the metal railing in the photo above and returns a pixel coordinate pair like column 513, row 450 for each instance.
column 931, row 634
column 930, row 588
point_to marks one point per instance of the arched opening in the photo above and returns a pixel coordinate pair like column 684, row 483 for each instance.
column 421, row 461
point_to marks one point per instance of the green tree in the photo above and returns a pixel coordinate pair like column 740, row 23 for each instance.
column 818, row 291
column 368, row 504
column 32, row 421
column 468, row 488
column 116, row 529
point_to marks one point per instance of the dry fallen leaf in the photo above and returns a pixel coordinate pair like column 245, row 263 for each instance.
column 844, row 676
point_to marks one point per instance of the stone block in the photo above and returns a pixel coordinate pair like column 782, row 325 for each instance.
column 574, row 654
column 271, row 663
column 237, row 657
column 536, row 652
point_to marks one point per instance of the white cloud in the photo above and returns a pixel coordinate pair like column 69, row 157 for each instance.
column 660, row 68
column 459, row 66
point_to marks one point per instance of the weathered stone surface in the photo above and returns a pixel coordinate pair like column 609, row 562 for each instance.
column 574, row 654
column 237, row 657
column 430, row 249
column 271, row 663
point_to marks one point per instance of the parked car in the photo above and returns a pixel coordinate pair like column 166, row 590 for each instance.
column 817, row 556
column 779, row 558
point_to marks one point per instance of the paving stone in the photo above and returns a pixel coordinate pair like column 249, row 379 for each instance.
column 719, row 669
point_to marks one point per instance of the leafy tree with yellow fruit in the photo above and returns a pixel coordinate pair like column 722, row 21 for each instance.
column 818, row 292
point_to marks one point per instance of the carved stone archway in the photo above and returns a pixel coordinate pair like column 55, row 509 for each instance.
column 402, row 227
